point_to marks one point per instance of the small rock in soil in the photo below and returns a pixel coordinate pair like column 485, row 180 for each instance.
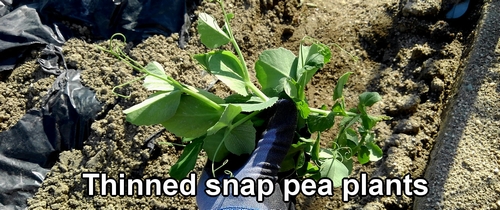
column 422, row 7
column 437, row 85
column 402, row 141
column 407, row 126
column 434, row 68
column 421, row 51
column 403, row 104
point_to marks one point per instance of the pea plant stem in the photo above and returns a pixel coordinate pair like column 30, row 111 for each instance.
column 244, row 119
column 320, row 111
column 191, row 91
column 125, row 84
column 230, row 127
column 246, row 76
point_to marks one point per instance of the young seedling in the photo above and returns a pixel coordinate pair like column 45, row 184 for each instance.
column 223, row 126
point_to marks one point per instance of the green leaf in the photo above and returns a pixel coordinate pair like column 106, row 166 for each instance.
column 335, row 170
column 325, row 154
column 339, row 88
column 348, row 162
column 272, row 66
column 315, row 175
column 210, row 145
column 345, row 124
column 211, row 34
column 241, row 140
column 258, row 122
column 349, row 121
column 351, row 135
column 312, row 168
column 187, row 160
column 297, row 147
column 155, row 83
column 302, row 59
column 250, row 107
column 309, row 53
column 317, row 122
column 316, row 53
column 316, row 148
column 237, row 98
column 367, row 136
column 155, row 68
column 303, row 109
column 287, row 164
column 203, row 60
column 230, row 112
column 226, row 67
column 341, row 140
column 307, row 170
column 192, row 119
column 363, row 155
column 310, row 60
column 352, row 146
column 289, row 161
column 158, row 108
column 339, row 108
column 369, row 98
column 352, row 111
column 300, row 160
column 290, row 88
column 375, row 152
column 301, row 165
column 229, row 59
column 369, row 121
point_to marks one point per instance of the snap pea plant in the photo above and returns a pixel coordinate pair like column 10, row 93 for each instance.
column 223, row 126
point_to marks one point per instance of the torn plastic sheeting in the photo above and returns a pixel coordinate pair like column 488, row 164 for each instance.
column 68, row 111
column 28, row 23
column 30, row 148
column 137, row 19
column 5, row 7
column 19, row 30
column 51, row 59
column 23, row 151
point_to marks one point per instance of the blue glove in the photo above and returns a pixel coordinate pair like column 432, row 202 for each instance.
column 264, row 163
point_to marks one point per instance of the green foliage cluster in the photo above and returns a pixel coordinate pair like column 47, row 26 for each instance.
column 223, row 126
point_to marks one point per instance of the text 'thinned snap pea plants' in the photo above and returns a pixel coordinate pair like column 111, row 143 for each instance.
column 223, row 126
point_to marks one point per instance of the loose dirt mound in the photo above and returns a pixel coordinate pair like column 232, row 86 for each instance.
column 411, row 61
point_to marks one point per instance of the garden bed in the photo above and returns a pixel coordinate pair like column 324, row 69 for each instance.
column 411, row 57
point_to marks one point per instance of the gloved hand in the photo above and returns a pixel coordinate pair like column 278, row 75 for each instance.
column 264, row 163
